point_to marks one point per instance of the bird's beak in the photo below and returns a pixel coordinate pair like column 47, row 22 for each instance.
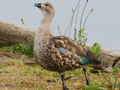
column 38, row 5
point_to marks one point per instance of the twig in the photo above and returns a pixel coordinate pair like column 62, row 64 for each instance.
column 77, row 16
column 68, row 77
column 59, row 31
column 86, row 18
column 75, row 31
column 26, row 26
column 73, row 16
column 70, row 24
column 82, row 15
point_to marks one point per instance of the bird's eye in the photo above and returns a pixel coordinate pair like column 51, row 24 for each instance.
column 46, row 5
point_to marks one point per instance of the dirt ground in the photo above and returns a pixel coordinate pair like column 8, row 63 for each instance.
column 9, row 55
column 13, row 56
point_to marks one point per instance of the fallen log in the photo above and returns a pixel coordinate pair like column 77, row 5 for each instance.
column 11, row 34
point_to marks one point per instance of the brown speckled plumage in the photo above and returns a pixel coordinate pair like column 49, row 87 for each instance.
column 49, row 58
column 57, row 53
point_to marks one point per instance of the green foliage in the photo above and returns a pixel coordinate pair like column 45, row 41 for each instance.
column 1, row 45
column 19, row 49
column 96, row 49
column 116, row 70
column 24, row 49
column 79, row 35
column 99, row 72
column 3, row 71
column 82, row 37
column 56, row 75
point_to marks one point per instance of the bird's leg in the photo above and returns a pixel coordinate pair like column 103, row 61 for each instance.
column 86, row 76
column 63, row 82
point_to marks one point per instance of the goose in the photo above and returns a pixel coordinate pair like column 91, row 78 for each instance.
column 60, row 53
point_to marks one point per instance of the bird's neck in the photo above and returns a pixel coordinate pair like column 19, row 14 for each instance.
column 45, row 22
column 43, row 32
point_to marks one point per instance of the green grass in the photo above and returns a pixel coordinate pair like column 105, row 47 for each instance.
column 14, row 74
column 19, row 49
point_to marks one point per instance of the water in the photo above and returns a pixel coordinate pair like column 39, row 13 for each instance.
column 102, row 26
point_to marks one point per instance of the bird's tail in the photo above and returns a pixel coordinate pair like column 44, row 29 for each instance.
column 91, row 60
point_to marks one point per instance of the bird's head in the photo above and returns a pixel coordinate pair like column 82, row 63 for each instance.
column 46, row 8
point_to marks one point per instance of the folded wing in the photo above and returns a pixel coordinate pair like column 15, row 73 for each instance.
column 65, row 44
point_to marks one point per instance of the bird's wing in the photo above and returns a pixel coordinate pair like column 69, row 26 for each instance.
column 65, row 44
column 70, row 45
